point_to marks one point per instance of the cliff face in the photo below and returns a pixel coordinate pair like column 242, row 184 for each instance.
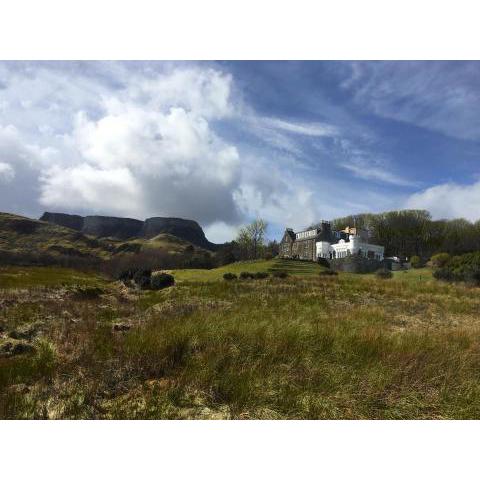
column 186, row 229
column 121, row 228
column 124, row 228
column 75, row 222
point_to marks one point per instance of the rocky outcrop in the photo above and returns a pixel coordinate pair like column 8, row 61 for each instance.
column 125, row 228
column 75, row 222
column 122, row 228
column 185, row 229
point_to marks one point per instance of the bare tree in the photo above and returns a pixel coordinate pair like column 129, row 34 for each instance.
column 251, row 238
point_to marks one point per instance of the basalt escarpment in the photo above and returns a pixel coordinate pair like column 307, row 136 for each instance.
column 75, row 222
column 122, row 228
column 125, row 228
column 185, row 229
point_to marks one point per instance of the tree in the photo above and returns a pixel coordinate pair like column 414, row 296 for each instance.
column 439, row 260
column 251, row 238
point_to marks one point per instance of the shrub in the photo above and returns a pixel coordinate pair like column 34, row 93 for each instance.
column 245, row 275
column 280, row 274
column 87, row 293
column 473, row 277
column 461, row 268
column 328, row 272
column 323, row 261
column 384, row 274
column 142, row 278
column 229, row 276
column 439, row 260
column 415, row 261
column 260, row 275
column 125, row 275
column 161, row 280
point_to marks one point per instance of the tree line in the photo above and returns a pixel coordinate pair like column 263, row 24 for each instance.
column 413, row 232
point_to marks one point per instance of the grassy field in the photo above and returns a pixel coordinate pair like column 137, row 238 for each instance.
column 308, row 346
column 28, row 277
column 292, row 267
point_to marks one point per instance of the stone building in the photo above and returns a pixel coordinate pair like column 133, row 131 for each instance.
column 303, row 245
column 323, row 242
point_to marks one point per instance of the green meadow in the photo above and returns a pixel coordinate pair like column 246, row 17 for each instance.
column 309, row 346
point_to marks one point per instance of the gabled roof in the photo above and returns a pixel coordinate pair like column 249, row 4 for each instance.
column 290, row 233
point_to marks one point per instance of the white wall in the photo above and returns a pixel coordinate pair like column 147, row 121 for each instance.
column 354, row 246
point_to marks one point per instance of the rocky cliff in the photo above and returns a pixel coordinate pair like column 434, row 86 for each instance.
column 124, row 228
column 121, row 228
column 186, row 229
column 75, row 222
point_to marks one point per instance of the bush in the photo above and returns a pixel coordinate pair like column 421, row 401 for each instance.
column 87, row 293
column 245, row 275
column 142, row 278
column 328, row 272
column 439, row 260
column 161, row 280
column 323, row 262
column 229, row 276
column 384, row 274
column 461, row 268
column 280, row 274
column 260, row 275
column 415, row 261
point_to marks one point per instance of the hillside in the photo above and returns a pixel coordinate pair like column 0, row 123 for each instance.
column 21, row 235
column 34, row 240
column 128, row 228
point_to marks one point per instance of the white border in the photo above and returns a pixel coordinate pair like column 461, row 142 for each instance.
column 247, row 29
column 239, row 450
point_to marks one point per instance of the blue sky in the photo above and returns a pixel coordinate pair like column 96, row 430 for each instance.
column 224, row 142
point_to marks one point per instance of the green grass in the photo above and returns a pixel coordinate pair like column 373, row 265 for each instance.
column 308, row 346
column 27, row 277
column 292, row 267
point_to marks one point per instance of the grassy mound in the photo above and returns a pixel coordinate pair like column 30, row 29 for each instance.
column 292, row 267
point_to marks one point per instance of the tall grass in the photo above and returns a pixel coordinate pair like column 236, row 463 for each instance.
column 316, row 347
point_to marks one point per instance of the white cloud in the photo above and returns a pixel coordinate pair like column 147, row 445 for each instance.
column 439, row 96
column 14, row 149
column 204, row 91
column 313, row 129
column 373, row 171
column 449, row 200
column 87, row 187
column 221, row 232
column 364, row 164
column 7, row 173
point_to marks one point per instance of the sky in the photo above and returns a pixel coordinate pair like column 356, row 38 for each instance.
column 226, row 142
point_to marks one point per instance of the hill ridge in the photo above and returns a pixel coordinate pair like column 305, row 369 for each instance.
column 124, row 228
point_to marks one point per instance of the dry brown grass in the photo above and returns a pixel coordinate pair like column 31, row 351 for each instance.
column 301, row 347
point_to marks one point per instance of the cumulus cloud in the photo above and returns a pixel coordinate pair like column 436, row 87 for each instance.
column 87, row 187
column 449, row 200
column 168, row 162
column 7, row 173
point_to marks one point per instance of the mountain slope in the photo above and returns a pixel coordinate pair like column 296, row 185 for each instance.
column 127, row 228
column 24, row 240
column 27, row 236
